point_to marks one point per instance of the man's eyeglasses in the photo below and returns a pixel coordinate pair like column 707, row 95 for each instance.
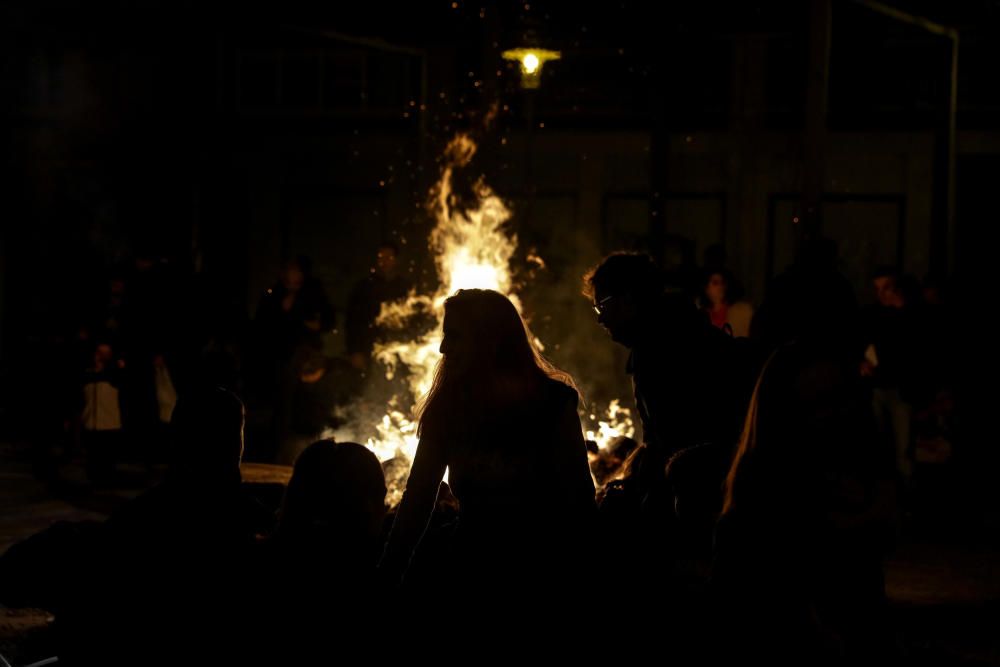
column 601, row 306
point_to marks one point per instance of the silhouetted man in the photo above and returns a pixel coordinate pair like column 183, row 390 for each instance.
column 682, row 368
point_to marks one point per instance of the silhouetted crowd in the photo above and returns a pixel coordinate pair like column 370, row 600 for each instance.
column 779, row 455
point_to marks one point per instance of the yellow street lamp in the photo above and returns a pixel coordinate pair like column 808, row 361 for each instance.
column 531, row 62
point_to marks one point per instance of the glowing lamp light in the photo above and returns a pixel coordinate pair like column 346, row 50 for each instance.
column 531, row 62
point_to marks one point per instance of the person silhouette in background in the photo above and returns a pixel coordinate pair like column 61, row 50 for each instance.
column 292, row 318
column 807, row 517
column 171, row 562
column 895, row 361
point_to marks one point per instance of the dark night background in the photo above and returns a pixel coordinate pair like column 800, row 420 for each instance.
column 219, row 140
column 223, row 139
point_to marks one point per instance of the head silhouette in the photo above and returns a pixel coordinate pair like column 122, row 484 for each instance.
column 485, row 340
column 207, row 433
column 628, row 292
column 620, row 286
column 337, row 491
column 484, row 332
column 809, row 302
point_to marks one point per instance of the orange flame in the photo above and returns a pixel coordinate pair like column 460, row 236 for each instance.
column 472, row 249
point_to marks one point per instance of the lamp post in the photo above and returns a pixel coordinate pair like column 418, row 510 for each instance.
column 530, row 61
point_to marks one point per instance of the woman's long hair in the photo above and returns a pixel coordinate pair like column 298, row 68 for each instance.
column 783, row 449
column 498, row 346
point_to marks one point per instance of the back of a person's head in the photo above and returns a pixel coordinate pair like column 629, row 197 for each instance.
column 814, row 304
column 497, row 334
column 207, row 431
column 625, row 273
column 484, row 339
column 337, row 491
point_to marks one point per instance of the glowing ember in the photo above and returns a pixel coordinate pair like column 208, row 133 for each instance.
column 472, row 249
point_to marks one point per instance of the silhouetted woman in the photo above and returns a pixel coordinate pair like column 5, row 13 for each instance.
column 806, row 513
column 504, row 423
